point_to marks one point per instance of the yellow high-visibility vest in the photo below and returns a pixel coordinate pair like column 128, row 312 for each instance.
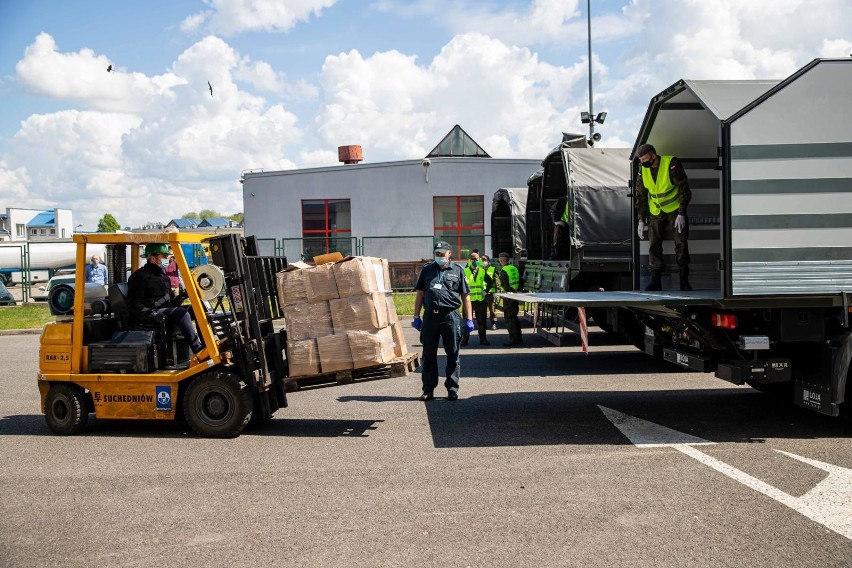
column 476, row 283
column 514, row 277
column 663, row 195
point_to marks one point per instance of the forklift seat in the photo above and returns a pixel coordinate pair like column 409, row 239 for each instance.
column 121, row 311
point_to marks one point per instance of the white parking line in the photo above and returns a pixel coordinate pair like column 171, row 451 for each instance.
column 829, row 503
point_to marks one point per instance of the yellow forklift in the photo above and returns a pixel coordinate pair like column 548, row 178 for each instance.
column 94, row 360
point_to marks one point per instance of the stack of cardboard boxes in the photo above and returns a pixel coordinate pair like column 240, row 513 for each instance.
column 339, row 316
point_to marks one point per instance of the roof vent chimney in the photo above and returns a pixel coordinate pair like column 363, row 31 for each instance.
column 349, row 154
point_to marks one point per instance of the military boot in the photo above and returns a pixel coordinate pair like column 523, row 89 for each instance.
column 684, row 281
column 656, row 282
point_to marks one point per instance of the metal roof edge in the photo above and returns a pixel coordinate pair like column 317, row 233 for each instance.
column 651, row 113
column 400, row 163
column 783, row 84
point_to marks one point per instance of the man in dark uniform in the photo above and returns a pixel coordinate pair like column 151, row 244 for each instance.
column 441, row 290
column 150, row 298
column 662, row 196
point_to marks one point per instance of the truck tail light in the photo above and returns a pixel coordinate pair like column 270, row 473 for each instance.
column 725, row 321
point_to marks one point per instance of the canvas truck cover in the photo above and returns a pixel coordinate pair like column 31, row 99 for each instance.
column 516, row 199
column 599, row 185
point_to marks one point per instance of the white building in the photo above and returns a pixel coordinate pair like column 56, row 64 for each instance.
column 394, row 210
column 35, row 224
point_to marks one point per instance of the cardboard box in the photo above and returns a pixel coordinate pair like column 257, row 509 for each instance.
column 307, row 321
column 303, row 357
column 367, row 312
column 334, row 353
column 292, row 284
column 356, row 275
column 370, row 349
column 400, row 347
column 392, row 317
column 321, row 285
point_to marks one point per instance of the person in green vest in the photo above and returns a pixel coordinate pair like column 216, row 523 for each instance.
column 560, row 249
column 490, row 289
column 662, row 196
column 510, row 281
column 475, row 276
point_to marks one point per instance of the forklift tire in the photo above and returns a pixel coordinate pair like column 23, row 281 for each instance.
column 217, row 404
column 66, row 409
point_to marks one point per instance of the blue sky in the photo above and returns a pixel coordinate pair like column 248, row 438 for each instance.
column 294, row 79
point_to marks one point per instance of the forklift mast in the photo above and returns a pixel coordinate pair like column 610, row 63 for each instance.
column 256, row 347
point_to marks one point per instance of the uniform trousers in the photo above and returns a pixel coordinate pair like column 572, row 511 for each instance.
column 480, row 314
column 656, row 230
column 446, row 326
column 510, row 315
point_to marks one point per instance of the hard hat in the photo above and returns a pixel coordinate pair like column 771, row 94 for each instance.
column 156, row 248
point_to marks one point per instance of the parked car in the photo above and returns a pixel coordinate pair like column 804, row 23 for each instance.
column 6, row 298
column 42, row 292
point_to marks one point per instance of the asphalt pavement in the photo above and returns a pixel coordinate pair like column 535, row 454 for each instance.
column 549, row 458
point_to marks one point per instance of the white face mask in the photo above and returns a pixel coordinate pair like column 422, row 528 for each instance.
column 441, row 260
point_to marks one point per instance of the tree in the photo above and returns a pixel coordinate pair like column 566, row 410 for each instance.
column 108, row 224
column 237, row 217
column 191, row 215
column 208, row 214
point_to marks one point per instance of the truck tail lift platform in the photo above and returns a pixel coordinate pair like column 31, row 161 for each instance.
column 770, row 238
column 93, row 359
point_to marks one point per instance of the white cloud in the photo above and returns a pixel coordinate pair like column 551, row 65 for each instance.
column 169, row 147
column 82, row 78
column 229, row 17
column 399, row 109
column 836, row 48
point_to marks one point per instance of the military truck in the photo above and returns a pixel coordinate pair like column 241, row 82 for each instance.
column 595, row 253
column 770, row 165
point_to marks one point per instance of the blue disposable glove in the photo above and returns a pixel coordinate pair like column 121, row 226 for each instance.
column 417, row 323
column 468, row 326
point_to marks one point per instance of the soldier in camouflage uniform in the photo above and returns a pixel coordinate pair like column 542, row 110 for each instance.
column 662, row 196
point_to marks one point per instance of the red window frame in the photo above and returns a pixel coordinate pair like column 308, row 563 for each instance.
column 459, row 228
column 325, row 232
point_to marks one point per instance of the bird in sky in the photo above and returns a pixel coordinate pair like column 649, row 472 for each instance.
column 109, row 68
column 210, row 87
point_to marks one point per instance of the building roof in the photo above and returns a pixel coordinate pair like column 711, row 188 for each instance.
column 457, row 144
column 182, row 223
column 214, row 222
column 43, row 219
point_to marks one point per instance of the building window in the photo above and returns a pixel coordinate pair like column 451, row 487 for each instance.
column 53, row 232
column 326, row 227
column 34, row 232
column 43, row 232
column 460, row 221
column 21, row 230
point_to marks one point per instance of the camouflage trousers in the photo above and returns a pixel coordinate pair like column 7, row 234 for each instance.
column 656, row 230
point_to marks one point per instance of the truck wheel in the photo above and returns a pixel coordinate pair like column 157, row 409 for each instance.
column 66, row 409
column 217, row 405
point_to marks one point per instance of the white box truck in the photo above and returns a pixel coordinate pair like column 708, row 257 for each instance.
column 770, row 168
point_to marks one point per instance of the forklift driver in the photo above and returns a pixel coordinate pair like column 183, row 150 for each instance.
column 150, row 298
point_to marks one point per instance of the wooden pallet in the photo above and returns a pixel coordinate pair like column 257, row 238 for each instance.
column 399, row 367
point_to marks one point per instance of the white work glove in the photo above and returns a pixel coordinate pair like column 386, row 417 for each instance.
column 641, row 230
column 680, row 223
